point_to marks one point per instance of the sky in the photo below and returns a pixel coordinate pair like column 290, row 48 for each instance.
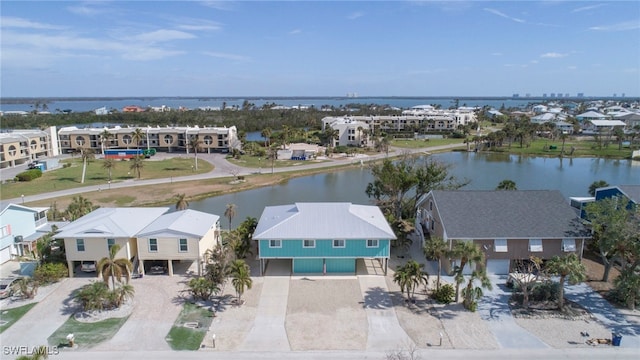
column 318, row 48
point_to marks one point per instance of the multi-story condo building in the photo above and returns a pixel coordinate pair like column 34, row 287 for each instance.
column 169, row 139
column 24, row 146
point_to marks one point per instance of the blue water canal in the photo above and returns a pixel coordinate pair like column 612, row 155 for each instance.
column 571, row 176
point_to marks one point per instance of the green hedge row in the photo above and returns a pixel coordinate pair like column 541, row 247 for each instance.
column 29, row 175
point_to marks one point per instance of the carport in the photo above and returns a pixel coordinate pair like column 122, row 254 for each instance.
column 167, row 267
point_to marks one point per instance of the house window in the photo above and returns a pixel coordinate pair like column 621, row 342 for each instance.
column 308, row 243
column 80, row 244
column 433, row 224
column 535, row 245
column 110, row 243
column 338, row 243
column 372, row 243
column 153, row 245
column 275, row 243
column 80, row 141
column 183, row 245
column 127, row 139
column 500, row 245
column 568, row 245
column 5, row 230
column 168, row 139
column 430, row 205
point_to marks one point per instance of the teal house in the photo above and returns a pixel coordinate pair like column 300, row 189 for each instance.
column 324, row 237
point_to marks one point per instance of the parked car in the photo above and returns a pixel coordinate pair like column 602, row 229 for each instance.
column 88, row 266
column 6, row 288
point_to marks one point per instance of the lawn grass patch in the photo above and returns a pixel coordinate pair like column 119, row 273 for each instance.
column 86, row 334
column 13, row 315
column 69, row 177
column 186, row 338
column 417, row 144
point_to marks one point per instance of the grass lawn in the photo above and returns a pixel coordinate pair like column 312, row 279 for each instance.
column 184, row 338
column 415, row 144
column 70, row 177
column 587, row 148
column 13, row 315
column 86, row 335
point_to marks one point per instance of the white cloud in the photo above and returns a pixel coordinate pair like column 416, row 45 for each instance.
column 572, row 67
column 16, row 22
column 295, row 31
column 162, row 35
column 621, row 26
column 501, row 14
column 227, row 56
column 355, row 15
column 553, row 55
column 496, row 54
column 534, row 61
column 218, row 5
column 149, row 53
column 588, row 7
column 88, row 8
column 191, row 24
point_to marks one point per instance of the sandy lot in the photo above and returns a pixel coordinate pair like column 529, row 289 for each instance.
column 329, row 307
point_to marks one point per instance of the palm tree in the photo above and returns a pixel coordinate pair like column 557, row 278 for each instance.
column 241, row 277
column 137, row 164
column 266, row 133
column 86, row 154
column 409, row 277
column 41, row 353
column 467, row 252
column 472, row 294
column 436, row 248
column 123, row 292
column 181, row 202
column 230, row 213
column 195, row 144
column 109, row 164
column 596, row 185
column 569, row 267
column 79, row 207
column 137, row 135
column 507, row 185
column 105, row 136
column 113, row 268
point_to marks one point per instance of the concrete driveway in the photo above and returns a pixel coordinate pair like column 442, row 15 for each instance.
column 494, row 308
column 157, row 304
column 47, row 316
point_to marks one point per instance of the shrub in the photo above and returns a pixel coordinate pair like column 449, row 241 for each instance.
column 445, row 294
column 29, row 175
column 50, row 273
column 546, row 291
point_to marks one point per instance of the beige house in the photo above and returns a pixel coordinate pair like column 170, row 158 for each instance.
column 507, row 225
column 180, row 236
column 24, row 146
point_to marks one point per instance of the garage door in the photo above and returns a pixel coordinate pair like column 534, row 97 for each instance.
column 498, row 267
column 307, row 265
column 341, row 265
column 5, row 255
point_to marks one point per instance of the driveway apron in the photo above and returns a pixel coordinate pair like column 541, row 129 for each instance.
column 268, row 332
column 494, row 308
column 45, row 318
column 608, row 315
column 385, row 332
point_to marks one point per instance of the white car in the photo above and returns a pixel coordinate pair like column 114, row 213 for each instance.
column 88, row 266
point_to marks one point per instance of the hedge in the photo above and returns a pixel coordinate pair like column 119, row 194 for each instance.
column 29, row 175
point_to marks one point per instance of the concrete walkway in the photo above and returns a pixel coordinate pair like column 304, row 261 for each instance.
column 608, row 315
column 268, row 332
column 385, row 331
column 494, row 308
column 35, row 327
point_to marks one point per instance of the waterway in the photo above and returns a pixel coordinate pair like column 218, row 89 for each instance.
column 571, row 177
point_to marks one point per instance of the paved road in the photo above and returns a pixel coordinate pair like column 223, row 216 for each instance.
column 222, row 168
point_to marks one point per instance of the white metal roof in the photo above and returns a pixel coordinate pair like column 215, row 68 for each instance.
column 186, row 222
column 323, row 220
column 112, row 222
column 608, row 122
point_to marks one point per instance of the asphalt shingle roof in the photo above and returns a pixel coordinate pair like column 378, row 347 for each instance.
column 323, row 220
column 507, row 214
column 632, row 191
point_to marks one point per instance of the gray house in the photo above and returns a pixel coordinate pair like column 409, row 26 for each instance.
column 508, row 225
